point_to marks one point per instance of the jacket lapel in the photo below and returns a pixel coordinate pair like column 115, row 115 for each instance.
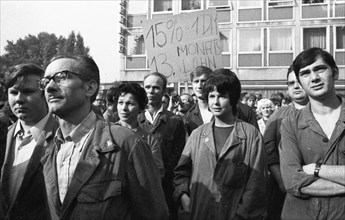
column 35, row 160
column 86, row 166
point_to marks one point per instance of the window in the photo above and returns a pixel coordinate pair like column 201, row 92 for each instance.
column 248, row 4
column 219, row 3
column 250, row 48
column 250, row 40
column 225, row 41
column 249, row 11
column 162, row 5
column 340, row 38
column 280, row 39
column 339, row 44
column 135, row 45
column 137, row 7
column 314, row 37
column 312, row 1
column 280, row 52
column 191, row 5
column 276, row 3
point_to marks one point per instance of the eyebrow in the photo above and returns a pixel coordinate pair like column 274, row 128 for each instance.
column 315, row 68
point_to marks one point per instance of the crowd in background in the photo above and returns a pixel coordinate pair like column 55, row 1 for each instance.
column 139, row 152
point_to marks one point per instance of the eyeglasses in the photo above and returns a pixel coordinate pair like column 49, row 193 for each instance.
column 291, row 83
column 59, row 78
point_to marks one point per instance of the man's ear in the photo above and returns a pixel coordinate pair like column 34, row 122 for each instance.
column 91, row 88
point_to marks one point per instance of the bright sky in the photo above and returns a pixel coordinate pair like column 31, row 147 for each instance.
column 95, row 20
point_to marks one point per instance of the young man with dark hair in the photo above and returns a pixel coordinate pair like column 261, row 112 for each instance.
column 94, row 170
column 22, row 181
column 222, row 172
column 312, row 158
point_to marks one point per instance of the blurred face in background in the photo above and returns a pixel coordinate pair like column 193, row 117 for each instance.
column 295, row 91
column 198, row 84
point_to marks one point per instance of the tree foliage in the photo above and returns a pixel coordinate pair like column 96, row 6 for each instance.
column 40, row 49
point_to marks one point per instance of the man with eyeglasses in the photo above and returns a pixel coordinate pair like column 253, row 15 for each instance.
column 312, row 157
column 94, row 170
column 272, row 139
column 22, row 187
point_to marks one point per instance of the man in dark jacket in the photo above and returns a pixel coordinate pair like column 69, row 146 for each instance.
column 94, row 170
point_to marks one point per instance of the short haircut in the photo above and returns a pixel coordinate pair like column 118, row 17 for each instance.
column 309, row 56
column 111, row 95
column 17, row 73
column 263, row 102
column 88, row 68
column 225, row 82
column 164, row 78
column 200, row 70
column 276, row 99
column 136, row 90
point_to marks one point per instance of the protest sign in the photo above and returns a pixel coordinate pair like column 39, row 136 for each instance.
column 177, row 44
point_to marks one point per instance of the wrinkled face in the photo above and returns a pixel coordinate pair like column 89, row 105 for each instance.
column 27, row 101
column 295, row 91
column 266, row 110
column 185, row 98
column 198, row 84
column 153, row 86
column 71, row 95
column 219, row 104
column 318, row 79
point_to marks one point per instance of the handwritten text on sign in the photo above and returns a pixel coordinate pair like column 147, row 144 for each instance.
column 178, row 44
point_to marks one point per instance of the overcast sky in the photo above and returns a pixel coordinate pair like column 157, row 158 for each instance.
column 96, row 21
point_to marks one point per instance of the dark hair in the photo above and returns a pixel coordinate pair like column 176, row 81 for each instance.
column 309, row 56
column 164, row 78
column 136, row 90
column 251, row 95
column 200, row 70
column 88, row 68
column 17, row 73
column 225, row 82
column 111, row 95
column 276, row 99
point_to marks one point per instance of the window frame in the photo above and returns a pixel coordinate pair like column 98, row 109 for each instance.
column 188, row 11
column 335, row 50
column 261, row 52
column 308, row 27
column 161, row 12
column 305, row 5
column 239, row 8
column 230, row 46
column 269, row 52
column 135, row 55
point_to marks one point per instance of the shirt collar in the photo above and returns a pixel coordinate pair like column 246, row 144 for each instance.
column 80, row 131
column 35, row 130
column 150, row 118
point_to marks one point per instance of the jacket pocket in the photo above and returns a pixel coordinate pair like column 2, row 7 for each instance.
column 235, row 174
column 98, row 192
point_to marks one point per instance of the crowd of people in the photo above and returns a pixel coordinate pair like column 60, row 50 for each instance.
column 69, row 151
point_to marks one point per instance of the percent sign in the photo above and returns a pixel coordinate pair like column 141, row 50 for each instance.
column 179, row 32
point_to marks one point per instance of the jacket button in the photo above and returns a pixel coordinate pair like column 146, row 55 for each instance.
column 325, row 140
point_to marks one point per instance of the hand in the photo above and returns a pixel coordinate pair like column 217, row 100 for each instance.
column 309, row 168
column 185, row 201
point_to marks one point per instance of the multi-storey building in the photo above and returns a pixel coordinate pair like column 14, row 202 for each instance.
column 260, row 38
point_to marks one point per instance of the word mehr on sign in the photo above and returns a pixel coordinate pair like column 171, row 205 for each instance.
column 178, row 44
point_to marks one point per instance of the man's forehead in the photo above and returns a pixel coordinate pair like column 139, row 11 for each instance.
column 203, row 76
column 318, row 61
column 62, row 64
column 153, row 79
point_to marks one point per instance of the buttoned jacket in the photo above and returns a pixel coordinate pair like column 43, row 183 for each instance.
column 30, row 201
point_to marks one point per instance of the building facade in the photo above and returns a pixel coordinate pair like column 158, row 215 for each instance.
column 260, row 38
